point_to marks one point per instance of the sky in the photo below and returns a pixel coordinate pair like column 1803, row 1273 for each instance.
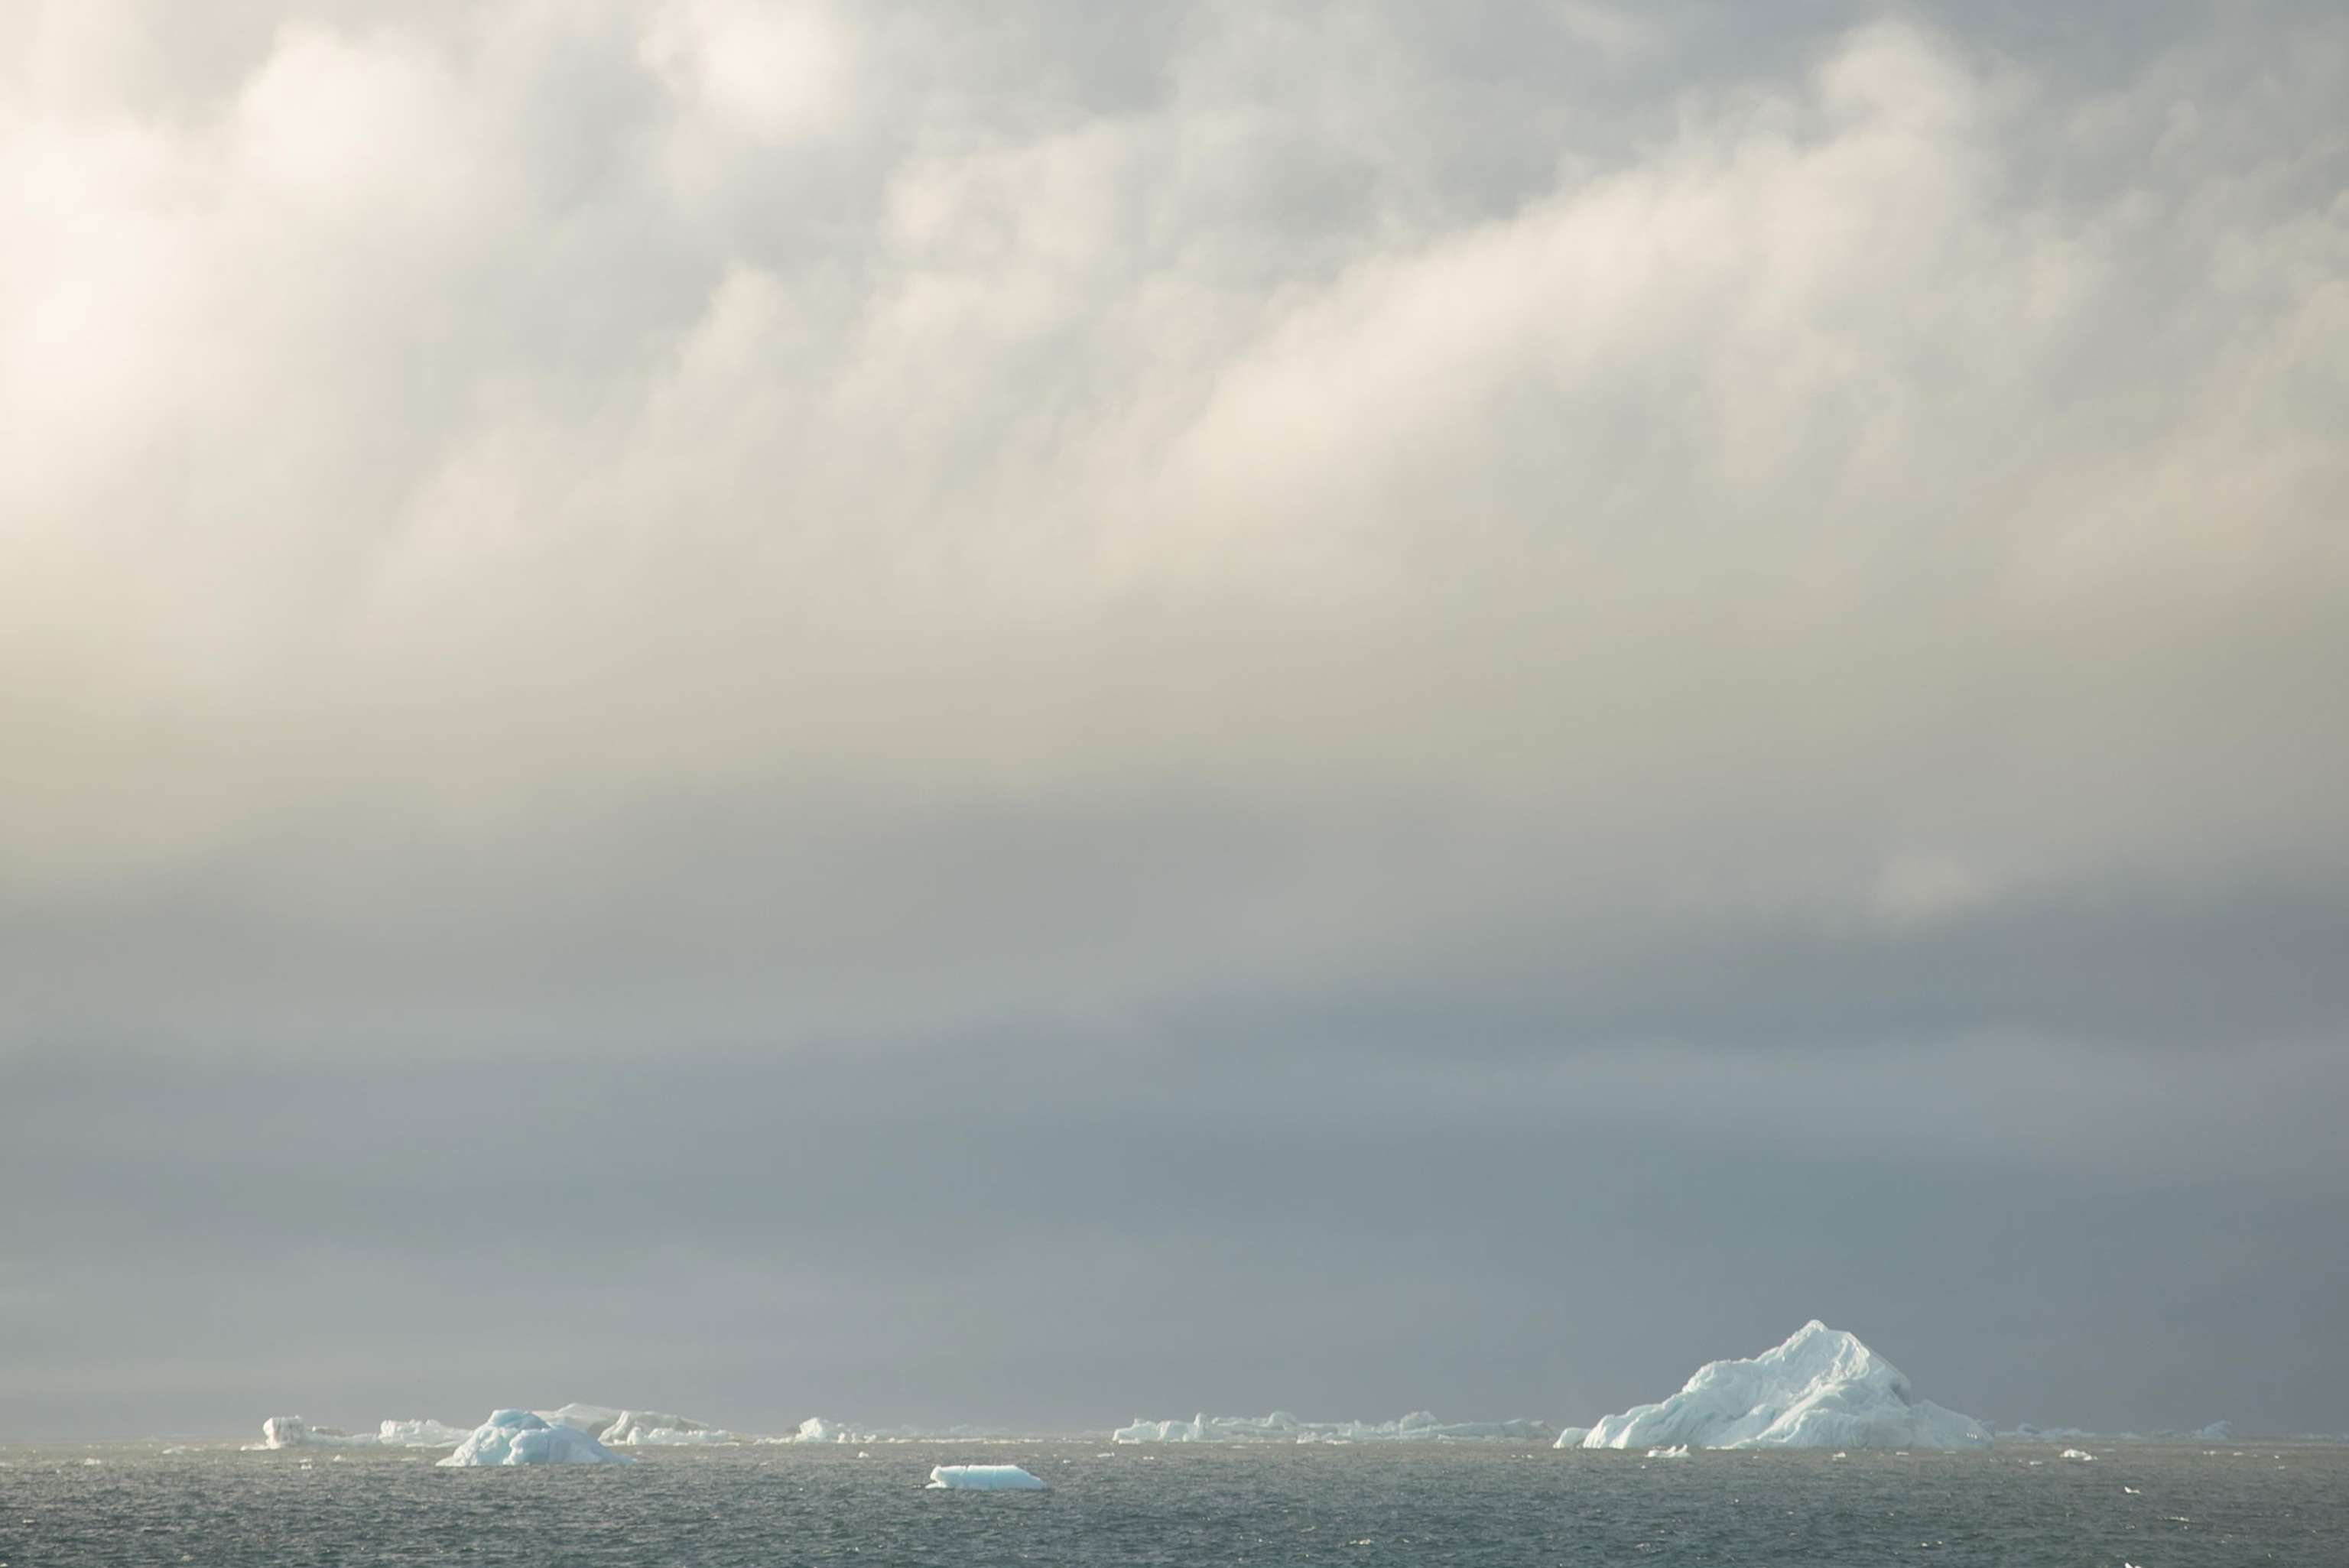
column 1045, row 714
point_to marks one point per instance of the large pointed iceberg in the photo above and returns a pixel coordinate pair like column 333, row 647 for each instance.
column 1821, row 1389
column 525, row 1437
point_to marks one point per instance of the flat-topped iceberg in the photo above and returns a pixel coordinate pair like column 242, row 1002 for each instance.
column 525, row 1438
column 983, row 1478
column 1280, row 1427
column 1821, row 1389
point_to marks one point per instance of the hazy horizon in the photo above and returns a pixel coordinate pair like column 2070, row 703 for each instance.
column 1102, row 712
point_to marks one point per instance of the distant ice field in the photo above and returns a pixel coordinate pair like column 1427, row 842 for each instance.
column 2017, row 1504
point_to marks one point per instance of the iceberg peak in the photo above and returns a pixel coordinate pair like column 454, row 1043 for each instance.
column 1821, row 1388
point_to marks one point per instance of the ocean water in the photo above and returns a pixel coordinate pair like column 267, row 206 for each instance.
column 2157, row 1507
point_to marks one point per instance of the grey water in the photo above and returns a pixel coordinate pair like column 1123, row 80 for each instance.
column 2157, row 1507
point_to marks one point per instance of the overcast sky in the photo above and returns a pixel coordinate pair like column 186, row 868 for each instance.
column 1061, row 711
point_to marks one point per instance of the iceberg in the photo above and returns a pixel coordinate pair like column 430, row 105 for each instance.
column 1821, row 1389
column 2028, row 1433
column 525, row 1437
column 630, row 1428
column 983, row 1478
column 649, row 1428
column 591, row 1419
column 817, row 1429
column 1280, row 1427
column 418, row 1434
column 293, row 1432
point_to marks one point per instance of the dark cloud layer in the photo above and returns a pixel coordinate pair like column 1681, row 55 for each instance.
column 789, row 707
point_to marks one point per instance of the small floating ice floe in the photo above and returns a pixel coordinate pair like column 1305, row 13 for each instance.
column 983, row 1478
column 524, row 1437
column 1677, row 1452
column 2082, row 1455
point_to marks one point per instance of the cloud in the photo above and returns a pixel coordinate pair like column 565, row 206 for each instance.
column 440, row 423
column 1733, row 612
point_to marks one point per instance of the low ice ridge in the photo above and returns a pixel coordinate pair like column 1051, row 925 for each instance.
column 526, row 1438
column 2216, row 1432
column 1280, row 1427
column 817, row 1429
column 2028, row 1433
column 614, row 1427
column 293, row 1432
column 1820, row 1389
column 610, row 1427
column 658, row 1429
column 635, row 1429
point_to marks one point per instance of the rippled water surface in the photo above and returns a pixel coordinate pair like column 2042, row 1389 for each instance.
column 2155, row 1507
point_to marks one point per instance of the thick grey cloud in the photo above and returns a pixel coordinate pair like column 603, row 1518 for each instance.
column 1315, row 705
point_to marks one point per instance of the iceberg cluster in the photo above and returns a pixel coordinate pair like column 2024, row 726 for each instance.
column 1280, row 1427
column 983, row 1478
column 1821, row 1389
column 525, row 1438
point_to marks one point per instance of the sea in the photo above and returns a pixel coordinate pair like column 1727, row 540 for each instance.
column 2154, row 1506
